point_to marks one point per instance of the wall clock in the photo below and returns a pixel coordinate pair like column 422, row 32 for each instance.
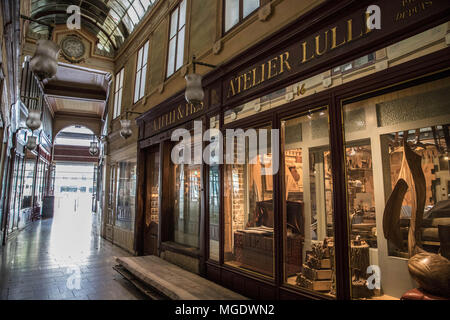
column 73, row 49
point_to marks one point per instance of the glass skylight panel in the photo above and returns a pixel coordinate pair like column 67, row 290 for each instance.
column 139, row 9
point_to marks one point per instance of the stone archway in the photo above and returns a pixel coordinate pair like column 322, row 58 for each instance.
column 63, row 121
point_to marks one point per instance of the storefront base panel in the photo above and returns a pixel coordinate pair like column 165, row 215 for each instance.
column 186, row 262
column 123, row 238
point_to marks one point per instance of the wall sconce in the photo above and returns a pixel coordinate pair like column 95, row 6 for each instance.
column 194, row 92
column 125, row 131
column 34, row 119
column 44, row 63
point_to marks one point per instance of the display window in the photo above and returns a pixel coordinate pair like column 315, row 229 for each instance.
column 126, row 194
column 214, row 194
column 27, row 200
column 403, row 138
column 186, row 181
column 249, row 207
column 152, row 203
column 111, row 198
column 307, row 202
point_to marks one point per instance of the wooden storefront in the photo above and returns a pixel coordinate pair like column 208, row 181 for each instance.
column 312, row 74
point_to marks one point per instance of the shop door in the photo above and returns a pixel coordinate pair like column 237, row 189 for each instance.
column 152, row 200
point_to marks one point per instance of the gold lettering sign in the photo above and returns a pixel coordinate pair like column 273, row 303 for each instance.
column 309, row 49
column 177, row 114
column 252, row 78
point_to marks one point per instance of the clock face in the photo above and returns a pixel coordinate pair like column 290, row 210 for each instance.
column 73, row 47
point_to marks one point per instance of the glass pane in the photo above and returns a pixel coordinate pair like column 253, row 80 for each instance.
column 152, row 203
column 182, row 21
column 187, row 202
column 180, row 49
column 397, row 177
column 28, row 183
column 308, row 213
column 137, row 86
column 248, row 206
column 231, row 13
column 171, row 57
column 173, row 23
column 139, row 59
column 249, row 6
column 126, row 195
column 145, row 58
column 145, row 4
column 128, row 23
column 143, row 77
column 119, row 102
column 139, row 9
column 214, row 194
column 133, row 15
column 121, row 78
column 117, row 81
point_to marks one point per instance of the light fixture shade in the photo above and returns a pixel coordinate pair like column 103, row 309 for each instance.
column 31, row 143
column 93, row 149
column 125, row 132
column 194, row 91
column 45, row 60
column 34, row 119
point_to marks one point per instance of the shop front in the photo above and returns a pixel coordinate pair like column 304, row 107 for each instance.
column 333, row 207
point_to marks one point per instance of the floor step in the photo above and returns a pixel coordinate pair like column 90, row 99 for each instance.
column 171, row 281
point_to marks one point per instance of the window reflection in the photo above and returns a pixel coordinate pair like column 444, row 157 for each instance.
column 249, row 212
column 307, row 206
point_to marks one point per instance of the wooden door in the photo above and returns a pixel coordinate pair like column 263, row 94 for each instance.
column 152, row 201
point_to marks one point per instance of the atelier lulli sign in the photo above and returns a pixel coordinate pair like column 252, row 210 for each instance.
column 336, row 39
column 181, row 112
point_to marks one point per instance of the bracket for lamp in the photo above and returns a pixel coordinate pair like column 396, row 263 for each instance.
column 195, row 62
column 49, row 26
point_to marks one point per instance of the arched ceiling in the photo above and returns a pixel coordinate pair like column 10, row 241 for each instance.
column 111, row 21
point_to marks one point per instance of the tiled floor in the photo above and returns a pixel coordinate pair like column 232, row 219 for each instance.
column 62, row 258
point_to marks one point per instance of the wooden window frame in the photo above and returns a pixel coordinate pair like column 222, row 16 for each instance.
column 139, row 71
column 241, row 14
column 118, row 90
column 176, row 36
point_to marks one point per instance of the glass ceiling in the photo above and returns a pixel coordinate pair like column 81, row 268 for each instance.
column 112, row 21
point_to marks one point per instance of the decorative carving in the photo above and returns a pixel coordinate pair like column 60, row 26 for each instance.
column 217, row 47
column 264, row 12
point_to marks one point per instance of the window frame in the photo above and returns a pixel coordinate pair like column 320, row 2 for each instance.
column 139, row 71
column 176, row 37
column 117, row 109
column 241, row 14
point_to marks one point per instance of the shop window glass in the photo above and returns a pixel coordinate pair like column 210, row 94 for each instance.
column 214, row 195
column 307, row 203
column 399, row 126
column 249, row 207
column 112, row 179
column 15, row 196
column 30, row 164
column 126, row 194
column 186, row 197
column 152, row 203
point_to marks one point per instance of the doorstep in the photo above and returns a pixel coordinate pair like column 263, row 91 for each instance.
column 171, row 281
